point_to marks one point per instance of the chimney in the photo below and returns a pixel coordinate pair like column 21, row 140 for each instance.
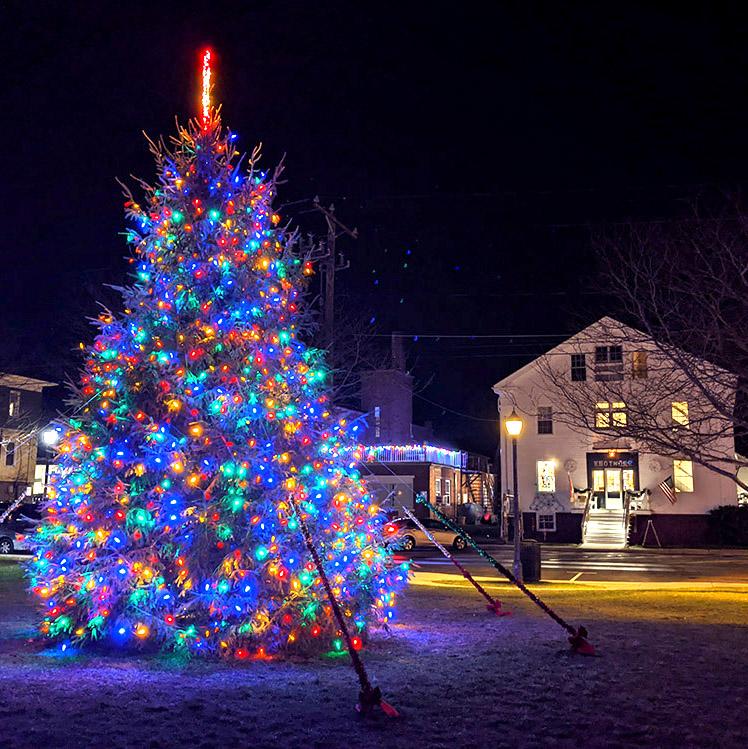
column 398, row 352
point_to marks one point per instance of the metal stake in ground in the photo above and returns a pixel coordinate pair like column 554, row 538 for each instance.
column 369, row 697
column 493, row 605
column 578, row 635
column 12, row 507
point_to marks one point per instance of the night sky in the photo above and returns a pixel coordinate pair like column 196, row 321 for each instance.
column 474, row 146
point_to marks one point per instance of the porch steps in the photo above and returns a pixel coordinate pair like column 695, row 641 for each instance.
column 605, row 530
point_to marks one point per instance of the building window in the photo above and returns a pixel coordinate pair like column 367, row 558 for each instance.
column 578, row 368
column 679, row 413
column 608, row 363
column 683, row 475
column 608, row 354
column 14, row 403
column 639, row 365
column 10, row 454
column 547, row 522
column 546, row 476
column 545, row 420
column 438, row 489
column 447, row 492
column 610, row 414
column 377, row 422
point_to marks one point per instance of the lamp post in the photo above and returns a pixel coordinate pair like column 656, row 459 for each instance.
column 50, row 438
column 514, row 426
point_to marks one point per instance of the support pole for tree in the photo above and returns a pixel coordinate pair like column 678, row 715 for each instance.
column 577, row 636
column 493, row 606
column 369, row 697
column 16, row 503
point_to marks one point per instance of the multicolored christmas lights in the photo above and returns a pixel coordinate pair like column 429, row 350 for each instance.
column 201, row 415
column 424, row 453
column 205, row 96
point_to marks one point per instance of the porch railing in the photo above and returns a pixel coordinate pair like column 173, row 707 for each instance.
column 626, row 517
column 586, row 514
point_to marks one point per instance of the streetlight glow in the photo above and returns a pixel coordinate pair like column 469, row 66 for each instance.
column 50, row 436
column 514, row 424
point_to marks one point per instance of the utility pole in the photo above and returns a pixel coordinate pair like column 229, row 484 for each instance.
column 330, row 263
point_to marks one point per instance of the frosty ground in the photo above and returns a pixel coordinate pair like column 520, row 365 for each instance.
column 672, row 673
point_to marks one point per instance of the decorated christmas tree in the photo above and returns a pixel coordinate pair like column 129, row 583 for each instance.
column 202, row 441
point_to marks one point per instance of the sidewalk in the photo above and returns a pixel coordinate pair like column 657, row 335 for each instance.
column 450, row 580
column 740, row 553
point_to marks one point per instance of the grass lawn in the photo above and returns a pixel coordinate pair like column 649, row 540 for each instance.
column 672, row 673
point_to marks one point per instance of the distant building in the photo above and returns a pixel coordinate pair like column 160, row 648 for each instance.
column 20, row 420
column 582, row 483
column 449, row 478
column 402, row 459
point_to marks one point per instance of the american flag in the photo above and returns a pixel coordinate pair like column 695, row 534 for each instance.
column 668, row 489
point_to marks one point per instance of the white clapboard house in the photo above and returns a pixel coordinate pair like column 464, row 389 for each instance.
column 585, row 473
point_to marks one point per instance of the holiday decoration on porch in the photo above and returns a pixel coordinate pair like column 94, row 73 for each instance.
column 203, row 440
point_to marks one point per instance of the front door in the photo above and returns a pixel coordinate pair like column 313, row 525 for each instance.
column 613, row 492
column 607, row 486
column 610, row 478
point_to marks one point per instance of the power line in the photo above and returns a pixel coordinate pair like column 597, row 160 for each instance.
column 462, row 335
column 452, row 410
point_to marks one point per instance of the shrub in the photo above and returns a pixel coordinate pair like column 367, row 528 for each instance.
column 728, row 525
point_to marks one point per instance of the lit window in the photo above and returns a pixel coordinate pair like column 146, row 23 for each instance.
column 578, row 368
column 679, row 412
column 447, row 492
column 610, row 414
column 14, row 403
column 10, row 454
column 639, row 365
column 683, row 475
column 545, row 420
column 547, row 522
column 618, row 413
column 546, row 476
column 438, row 489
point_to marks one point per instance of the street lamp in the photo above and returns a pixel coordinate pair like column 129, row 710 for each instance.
column 514, row 426
column 50, row 436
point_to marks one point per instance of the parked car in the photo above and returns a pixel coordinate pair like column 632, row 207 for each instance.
column 406, row 535
column 13, row 538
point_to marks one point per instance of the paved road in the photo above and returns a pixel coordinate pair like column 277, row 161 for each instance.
column 570, row 563
column 632, row 565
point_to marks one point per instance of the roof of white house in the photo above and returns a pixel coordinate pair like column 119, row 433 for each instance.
column 21, row 382
column 586, row 335
column 603, row 331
